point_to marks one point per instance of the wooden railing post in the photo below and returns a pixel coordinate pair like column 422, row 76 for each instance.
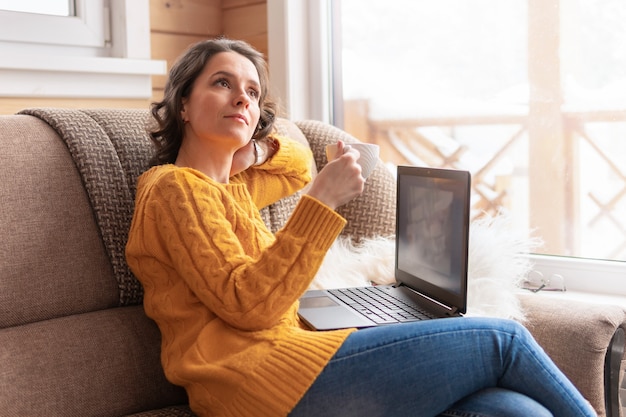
column 547, row 169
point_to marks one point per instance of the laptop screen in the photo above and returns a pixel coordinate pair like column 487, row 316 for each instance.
column 432, row 230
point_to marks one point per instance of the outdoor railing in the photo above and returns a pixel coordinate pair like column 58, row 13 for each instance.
column 433, row 141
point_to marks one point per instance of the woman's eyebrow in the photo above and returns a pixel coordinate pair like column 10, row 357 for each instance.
column 228, row 74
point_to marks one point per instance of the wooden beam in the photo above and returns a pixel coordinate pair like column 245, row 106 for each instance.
column 550, row 178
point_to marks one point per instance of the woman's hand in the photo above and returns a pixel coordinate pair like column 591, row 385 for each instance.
column 340, row 180
column 243, row 159
column 251, row 155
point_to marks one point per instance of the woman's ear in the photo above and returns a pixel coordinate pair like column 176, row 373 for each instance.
column 183, row 111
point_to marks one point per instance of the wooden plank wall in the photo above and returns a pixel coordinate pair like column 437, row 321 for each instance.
column 246, row 20
column 175, row 24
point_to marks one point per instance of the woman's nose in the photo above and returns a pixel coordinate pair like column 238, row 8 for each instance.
column 242, row 99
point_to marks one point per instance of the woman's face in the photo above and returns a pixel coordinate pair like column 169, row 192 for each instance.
column 223, row 106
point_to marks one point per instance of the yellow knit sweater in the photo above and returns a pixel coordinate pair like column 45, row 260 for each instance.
column 223, row 289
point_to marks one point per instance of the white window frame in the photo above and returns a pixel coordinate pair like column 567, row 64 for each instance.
column 594, row 276
column 103, row 52
column 87, row 28
column 298, row 44
column 298, row 49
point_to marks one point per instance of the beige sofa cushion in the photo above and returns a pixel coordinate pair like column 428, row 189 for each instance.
column 575, row 335
column 104, row 363
column 53, row 261
column 68, row 348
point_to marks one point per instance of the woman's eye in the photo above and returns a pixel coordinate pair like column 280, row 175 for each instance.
column 222, row 83
column 254, row 94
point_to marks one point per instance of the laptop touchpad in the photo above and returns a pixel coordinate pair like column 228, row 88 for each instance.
column 317, row 302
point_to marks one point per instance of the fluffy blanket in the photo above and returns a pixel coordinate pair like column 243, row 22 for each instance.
column 497, row 266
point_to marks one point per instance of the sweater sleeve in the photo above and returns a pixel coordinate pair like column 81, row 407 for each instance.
column 286, row 172
column 197, row 233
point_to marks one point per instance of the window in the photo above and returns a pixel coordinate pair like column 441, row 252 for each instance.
column 76, row 50
column 76, row 23
column 49, row 7
column 529, row 95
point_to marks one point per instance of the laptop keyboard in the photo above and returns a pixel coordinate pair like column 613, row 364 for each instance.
column 379, row 306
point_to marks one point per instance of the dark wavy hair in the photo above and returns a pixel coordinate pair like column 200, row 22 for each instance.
column 168, row 133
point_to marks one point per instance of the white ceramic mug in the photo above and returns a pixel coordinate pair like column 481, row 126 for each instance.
column 368, row 159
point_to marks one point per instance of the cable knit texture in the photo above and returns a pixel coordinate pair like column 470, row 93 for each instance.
column 223, row 289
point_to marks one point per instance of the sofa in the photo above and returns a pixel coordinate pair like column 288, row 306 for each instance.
column 74, row 339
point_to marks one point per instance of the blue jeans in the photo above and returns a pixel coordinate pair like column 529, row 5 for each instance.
column 470, row 367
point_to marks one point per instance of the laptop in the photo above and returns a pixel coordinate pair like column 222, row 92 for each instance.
column 431, row 259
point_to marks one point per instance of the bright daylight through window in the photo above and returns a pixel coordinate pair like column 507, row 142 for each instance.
column 528, row 95
column 51, row 7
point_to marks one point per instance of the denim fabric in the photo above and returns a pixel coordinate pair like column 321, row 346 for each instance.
column 423, row 369
column 497, row 402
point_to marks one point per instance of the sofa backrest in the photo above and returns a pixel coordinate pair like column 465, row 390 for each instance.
column 111, row 148
column 53, row 262
column 74, row 340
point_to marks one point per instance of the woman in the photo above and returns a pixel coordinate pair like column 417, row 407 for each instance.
column 224, row 290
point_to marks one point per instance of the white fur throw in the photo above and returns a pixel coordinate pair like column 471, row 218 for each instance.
column 497, row 266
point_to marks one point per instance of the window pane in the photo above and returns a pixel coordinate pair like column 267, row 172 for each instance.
column 528, row 95
column 51, row 7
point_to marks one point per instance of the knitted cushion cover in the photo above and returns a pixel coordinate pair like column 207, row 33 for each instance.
column 108, row 175
column 373, row 213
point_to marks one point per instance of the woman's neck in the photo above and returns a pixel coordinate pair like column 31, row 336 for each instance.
column 211, row 162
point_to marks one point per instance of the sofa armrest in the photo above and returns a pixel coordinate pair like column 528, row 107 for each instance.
column 586, row 341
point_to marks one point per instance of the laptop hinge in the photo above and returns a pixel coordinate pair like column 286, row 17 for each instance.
column 450, row 311
column 454, row 312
